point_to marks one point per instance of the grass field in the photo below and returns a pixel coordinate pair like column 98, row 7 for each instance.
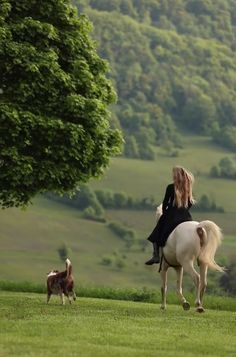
column 29, row 239
column 102, row 328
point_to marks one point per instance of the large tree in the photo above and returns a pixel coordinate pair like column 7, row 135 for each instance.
column 54, row 98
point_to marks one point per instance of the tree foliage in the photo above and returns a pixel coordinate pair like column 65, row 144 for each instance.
column 54, row 98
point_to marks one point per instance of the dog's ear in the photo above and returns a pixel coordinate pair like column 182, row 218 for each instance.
column 51, row 272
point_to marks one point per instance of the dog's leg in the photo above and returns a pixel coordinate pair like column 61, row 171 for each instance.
column 71, row 294
column 74, row 295
column 68, row 295
column 69, row 298
column 62, row 298
column 48, row 297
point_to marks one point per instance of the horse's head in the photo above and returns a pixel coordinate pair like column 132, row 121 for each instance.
column 158, row 212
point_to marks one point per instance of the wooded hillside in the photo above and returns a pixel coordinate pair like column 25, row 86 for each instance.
column 173, row 63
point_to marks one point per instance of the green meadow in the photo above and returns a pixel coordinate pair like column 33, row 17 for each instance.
column 29, row 239
column 98, row 327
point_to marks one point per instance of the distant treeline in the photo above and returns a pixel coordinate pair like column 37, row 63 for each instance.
column 94, row 202
column 173, row 65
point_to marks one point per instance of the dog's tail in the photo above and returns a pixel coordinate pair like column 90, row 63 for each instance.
column 68, row 267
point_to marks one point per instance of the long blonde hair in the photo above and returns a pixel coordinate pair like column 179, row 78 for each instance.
column 183, row 183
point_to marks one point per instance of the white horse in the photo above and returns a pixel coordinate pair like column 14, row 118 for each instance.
column 188, row 242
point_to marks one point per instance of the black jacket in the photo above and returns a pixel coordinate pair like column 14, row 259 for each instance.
column 172, row 216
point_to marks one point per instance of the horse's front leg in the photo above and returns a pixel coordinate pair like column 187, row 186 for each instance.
column 185, row 303
column 163, row 288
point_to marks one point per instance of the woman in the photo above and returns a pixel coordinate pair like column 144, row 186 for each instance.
column 175, row 207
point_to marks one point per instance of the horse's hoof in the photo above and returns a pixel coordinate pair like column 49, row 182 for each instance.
column 186, row 305
column 200, row 309
column 163, row 307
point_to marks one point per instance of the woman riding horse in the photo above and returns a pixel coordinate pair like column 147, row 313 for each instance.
column 176, row 204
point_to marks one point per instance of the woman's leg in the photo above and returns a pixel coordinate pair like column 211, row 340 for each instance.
column 155, row 239
column 155, row 259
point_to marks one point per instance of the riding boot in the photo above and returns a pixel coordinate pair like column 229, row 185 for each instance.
column 155, row 258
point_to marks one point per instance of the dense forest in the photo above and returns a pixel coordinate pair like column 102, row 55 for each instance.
column 173, row 64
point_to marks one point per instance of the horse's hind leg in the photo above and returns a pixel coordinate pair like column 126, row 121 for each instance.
column 185, row 303
column 203, row 280
column 163, row 288
column 189, row 268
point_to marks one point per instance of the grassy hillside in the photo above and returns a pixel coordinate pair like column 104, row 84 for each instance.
column 100, row 328
column 142, row 178
column 29, row 239
column 29, row 242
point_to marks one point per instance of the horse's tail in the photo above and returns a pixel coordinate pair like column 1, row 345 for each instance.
column 210, row 238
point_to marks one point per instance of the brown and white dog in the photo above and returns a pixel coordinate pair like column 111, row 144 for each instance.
column 61, row 283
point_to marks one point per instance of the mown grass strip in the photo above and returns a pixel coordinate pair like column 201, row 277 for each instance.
column 102, row 328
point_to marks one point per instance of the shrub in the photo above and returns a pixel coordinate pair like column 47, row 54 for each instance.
column 227, row 281
column 226, row 168
column 127, row 234
column 82, row 199
column 90, row 213
column 106, row 260
column 63, row 252
column 206, row 204
column 120, row 264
